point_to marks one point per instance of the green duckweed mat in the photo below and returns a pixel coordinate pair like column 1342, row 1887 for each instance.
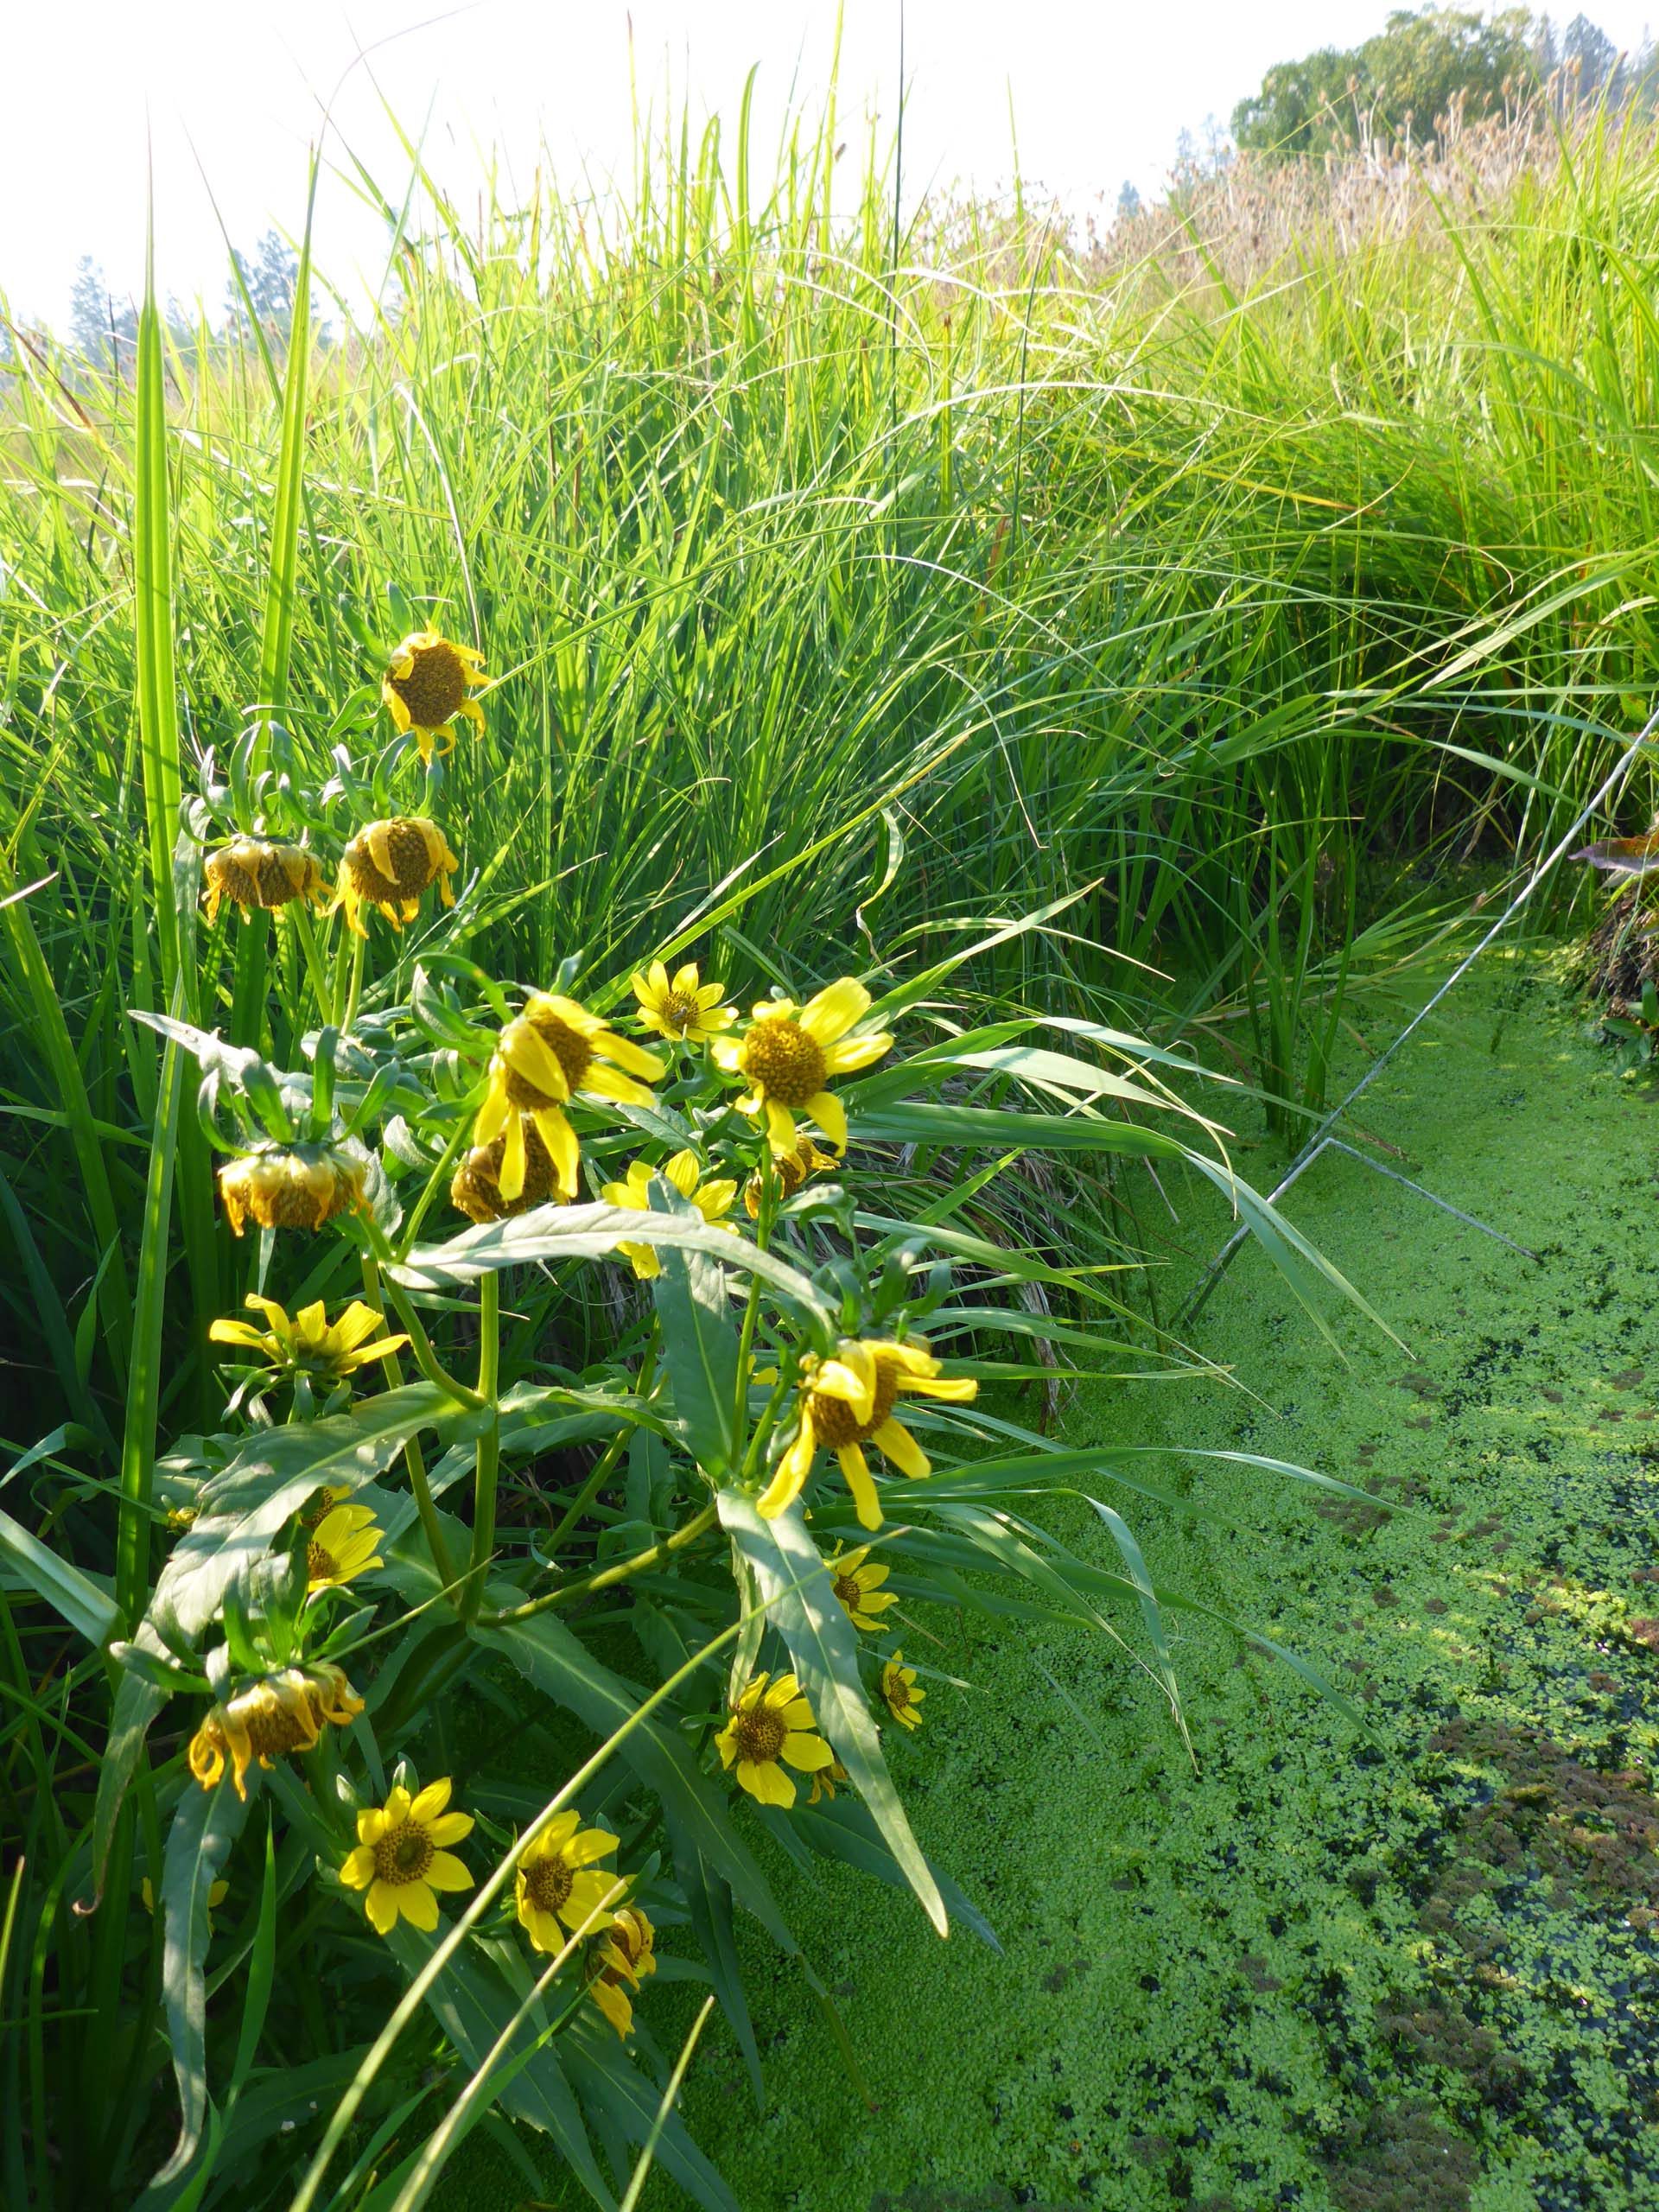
column 1410, row 1969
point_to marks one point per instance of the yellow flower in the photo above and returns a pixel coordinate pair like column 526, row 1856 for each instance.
column 552, row 1049
column 400, row 1860
column 765, row 1728
column 290, row 1187
column 341, row 1548
column 252, row 872
column 389, row 864
column 627, row 1953
column 475, row 1189
column 898, row 1691
column 557, row 1881
column 793, row 1171
column 309, row 1344
column 429, row 683
column 284, row 1712
column 712, row 1200
column 846, row 1403
column 788, row 1055
column 858, row 1588
column 683, row 1007
column 824, row 1780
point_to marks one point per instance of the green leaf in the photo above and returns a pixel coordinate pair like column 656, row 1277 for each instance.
column 90, row 1610
column 823, row 1646
column 205, row 1824
column 701, row 1348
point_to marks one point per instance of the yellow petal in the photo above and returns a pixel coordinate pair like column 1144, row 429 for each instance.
column 685, row 979
column 449, row 1828
column 894, row 1439
column 431, row 1801
column 831, row 1115
column 359, row 1322
column 790, row 1474
column 358, row 1870
column 682, row 1172
column 807, row 1753
column 419, row 1905
column 556, row 1133
column 584, row 1909
column 832, row 1013
column 614, row 2003
column 780, row 1128
column 236, row 1332
column 510, row 1180
column 857, row 1469
column 854, row 1052
column 769, row 1784
column 591, row 1844
column 446, row 1871
column 382, row 1908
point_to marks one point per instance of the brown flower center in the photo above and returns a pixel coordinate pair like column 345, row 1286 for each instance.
column 476, row 1190
column 848, row 1590
column 435, row 689
column 898, row 1692
column 679, row 1011
column 759, row 1733
column 568, row 1047
column 273, row 1728
column 320, row 1565
column 403, row 1855
column 409, row 852
column 836, row 1425
column 547, row 1883
column 784, row 1062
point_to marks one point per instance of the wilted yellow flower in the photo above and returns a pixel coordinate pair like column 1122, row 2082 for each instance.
column 627, row 1953
column 341, row 1548
column 475, row 1188
column 898, row 1691
column 792, row 1170
column 824, row 1780
column 557, row 1881
column 290, row 1185
column 683, row 1006
column 788, row 1055
column 551, row 1051
column 846, row 1403
column 429, row 682
column 400, row 1860
column 858, row 1588
column 389, row 864
column 765, row 1731
column 712, row 1200
column 309, row 1343
column 284, row 1712
column 252, row 872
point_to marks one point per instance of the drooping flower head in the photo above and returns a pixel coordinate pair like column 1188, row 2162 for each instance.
column 681, row 1006
column 824, row 1780
column 787, row 1055
column 542, row 1058
column 475, row 1188
column 793, row 1171
column 627, row 1953
column 252, row 872
column 713, row 1200
column 341, row 1547
column 284, row 1712
column 309, row 1343
column 767, row 1729
column 846, row 1403
column 900, row 1693
column 558, row 1883
column 400, row 1858
column 858, row 1587
column 389, row 864
column 290, row 1185
column 429, row 682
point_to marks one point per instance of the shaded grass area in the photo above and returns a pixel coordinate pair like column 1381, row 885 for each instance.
column 1412, row 1969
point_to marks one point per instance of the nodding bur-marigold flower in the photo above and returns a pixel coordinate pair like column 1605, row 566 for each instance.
column 400, row 1858
column 309, row 1343
column 551, row 1051
column 712, row 1200
column 252, row 872
column 389, row 864
column 788, row 1054
column 824, row 1780
column 284, row 1712
column 766, row 1728
column 475, row 1188
column 898, row 1691
column 793, row 1171
column 558, row 1883
column 341, row 1547
column 682, row 1007
column 429, row 682
column 627, row 1952
column 858, row 1587
column 846, row 1403
column 290, row 1185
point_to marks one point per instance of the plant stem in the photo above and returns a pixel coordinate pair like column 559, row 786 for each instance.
column 654, row 1555
column 354, row 985
column 488, row 1473
column 414, row 1458
column 607, row 1459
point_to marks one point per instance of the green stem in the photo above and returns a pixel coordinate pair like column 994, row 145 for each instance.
column 414, row 1458
column 488, row 1475
column 354, row 986
column 655, row 1554
column 607, row 1459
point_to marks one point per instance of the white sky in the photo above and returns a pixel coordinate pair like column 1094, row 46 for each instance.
column 1100, row 91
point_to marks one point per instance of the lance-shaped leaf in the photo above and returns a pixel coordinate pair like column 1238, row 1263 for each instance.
column 205, row 1825
column 823, row 1646
column 701, row 1347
